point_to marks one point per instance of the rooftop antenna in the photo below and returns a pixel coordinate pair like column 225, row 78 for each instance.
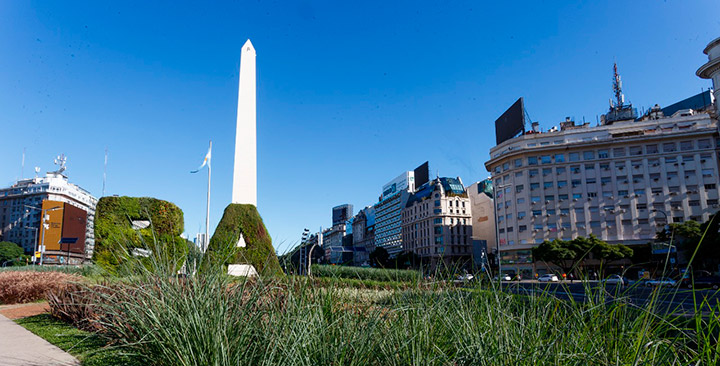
column 60, row 160
column 105, row 172
column 617, row 88
column 37, row 171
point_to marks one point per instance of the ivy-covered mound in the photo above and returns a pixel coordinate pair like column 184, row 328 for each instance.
column 115, row 236
column 245, row 219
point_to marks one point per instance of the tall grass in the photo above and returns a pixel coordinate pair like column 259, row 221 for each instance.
column 209, row 319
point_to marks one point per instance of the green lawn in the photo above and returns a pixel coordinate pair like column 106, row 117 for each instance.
column 87, row 347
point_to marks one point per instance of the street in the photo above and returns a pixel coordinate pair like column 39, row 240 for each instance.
column 666, row 299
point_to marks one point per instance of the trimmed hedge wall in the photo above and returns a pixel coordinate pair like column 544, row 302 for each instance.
column 114, row 235
column 245, row 219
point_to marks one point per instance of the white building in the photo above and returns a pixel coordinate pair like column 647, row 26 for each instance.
column 619, row 181
column 20, row 205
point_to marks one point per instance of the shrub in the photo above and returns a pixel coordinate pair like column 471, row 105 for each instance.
column 243, row 219
column 375, row 274
column 115, row 237
column 10, row 252
column 17, row 287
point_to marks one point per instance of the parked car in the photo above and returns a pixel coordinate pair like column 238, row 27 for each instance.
column 549, row 277
column 712, row 282
column 467, row 277
column 616, row 280
column 662, row 281
column 503, row 277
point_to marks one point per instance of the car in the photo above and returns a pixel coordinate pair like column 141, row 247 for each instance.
column 465, row 277
column 504, row 277
column 548, row 278
column 660, row 282
column 616, row 280
column 712, row 282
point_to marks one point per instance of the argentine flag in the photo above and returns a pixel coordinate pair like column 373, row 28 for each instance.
column 206, row 161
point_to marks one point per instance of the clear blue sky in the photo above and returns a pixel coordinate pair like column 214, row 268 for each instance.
column 349, row 95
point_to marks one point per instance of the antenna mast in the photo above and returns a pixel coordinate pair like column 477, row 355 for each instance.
column 617, row 88
column 22, row 165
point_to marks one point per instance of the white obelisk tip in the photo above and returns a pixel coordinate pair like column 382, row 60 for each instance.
column 245, row 169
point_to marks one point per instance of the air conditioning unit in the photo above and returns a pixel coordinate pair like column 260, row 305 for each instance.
column 561, row 200
column 702, row 160
column 547, row 202
column 575, row 199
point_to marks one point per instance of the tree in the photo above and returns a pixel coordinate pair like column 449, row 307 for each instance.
column 10, row 252
column 379, row 257
column 568, row 254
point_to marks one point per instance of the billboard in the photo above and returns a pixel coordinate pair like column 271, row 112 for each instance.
column 422, row 174
column 74, row 226
column 511, row 123
column 403, row 182
column 53, row 211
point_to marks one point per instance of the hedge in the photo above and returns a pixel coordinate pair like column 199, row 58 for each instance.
column 361, row 273
column 245, row 219
column 115, row 237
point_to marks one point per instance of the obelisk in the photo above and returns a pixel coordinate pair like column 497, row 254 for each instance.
column 245, row 171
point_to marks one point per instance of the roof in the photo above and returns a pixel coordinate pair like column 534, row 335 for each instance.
column 449, row 185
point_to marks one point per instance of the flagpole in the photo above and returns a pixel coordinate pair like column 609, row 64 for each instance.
column 207, row 215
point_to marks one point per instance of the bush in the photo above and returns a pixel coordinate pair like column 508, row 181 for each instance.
column 115, row 237
column 17, row 287
column 375, row 274
column 11, row 252
column 243, row 219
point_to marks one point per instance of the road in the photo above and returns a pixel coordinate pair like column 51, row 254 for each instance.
column 666, row 299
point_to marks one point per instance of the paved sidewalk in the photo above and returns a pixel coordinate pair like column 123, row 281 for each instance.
column 19, row 347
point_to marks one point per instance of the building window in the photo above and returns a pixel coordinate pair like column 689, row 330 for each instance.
column 670, row 159
column 521, row 215
column 562, row 197
column 519, row 188
column 588, row 155
column 712, row 202
column 522, row 228
column 518, row 174
column 518, row 163
column 547, row 171
column 688, row 158
column 533, row 173
column 635, row 150
column 707, row 173
column 506, row 166
column 545, row 159
column 603, row 154
column 534, row 186
column 592, row 194
column 669, row 147
column 651, row 149
column 577, row 196
column 562, row 183
column 574, row 156
column 521, row 200
column 535, row 199
column 532, row 160
column 537, row 212
column 560, row 170
column 694, row 203
column 559, row 158
column 686, row 145
column 704, row 144
column 547, row 185
column 618, row 152
column 550, row 212
column 437, row 221
column 590, row 167
column 710, row 186
column 575, row 169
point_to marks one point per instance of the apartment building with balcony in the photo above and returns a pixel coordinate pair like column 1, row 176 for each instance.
column 621, row 181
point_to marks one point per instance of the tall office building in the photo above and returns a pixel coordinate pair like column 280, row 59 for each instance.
column 363, row 234
column 388, row 212
column 621, row 181
column 483, row 220
column 341, row 214
column 69, row 213
column 436, row 224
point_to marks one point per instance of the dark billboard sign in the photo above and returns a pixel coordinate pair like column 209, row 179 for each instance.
column 511, row 123
column 422, row 174
column 74, row 226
